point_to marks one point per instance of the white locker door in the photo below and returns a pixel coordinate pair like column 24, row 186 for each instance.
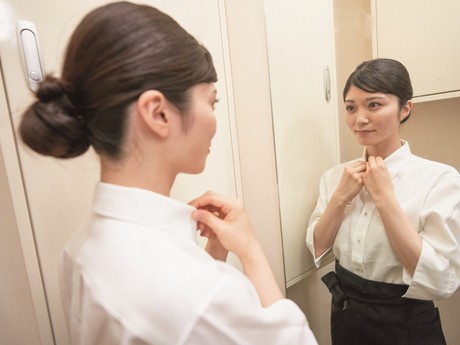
column 59, row 193
column 300, row 40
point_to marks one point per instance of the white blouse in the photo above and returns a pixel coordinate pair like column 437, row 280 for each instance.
column 429, row 194
column 134, row 274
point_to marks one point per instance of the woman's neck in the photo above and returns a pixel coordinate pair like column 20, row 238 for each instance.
column 383, row 150
column 132, row 174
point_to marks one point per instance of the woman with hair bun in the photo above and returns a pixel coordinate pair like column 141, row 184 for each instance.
column 392, row 220
column 140, row 90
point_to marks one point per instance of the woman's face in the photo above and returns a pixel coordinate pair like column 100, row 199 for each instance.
column 199, row 127
column 374, row 118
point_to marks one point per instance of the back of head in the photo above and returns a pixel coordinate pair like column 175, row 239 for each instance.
column 117, row 52
column 382, row 75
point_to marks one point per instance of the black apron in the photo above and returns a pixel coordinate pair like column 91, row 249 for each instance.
column 366, row 312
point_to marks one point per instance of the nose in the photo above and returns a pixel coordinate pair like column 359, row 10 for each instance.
column 361, row 118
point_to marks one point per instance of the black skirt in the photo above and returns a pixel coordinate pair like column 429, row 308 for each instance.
column 366, row 312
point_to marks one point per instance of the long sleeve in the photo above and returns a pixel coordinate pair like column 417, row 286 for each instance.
column 438, row 271
column 317, row 213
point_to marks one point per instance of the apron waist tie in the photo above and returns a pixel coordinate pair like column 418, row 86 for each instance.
column 345, row 285
column 332, row 281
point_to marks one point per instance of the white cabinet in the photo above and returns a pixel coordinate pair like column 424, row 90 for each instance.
column 300, row 40
column 424, row 36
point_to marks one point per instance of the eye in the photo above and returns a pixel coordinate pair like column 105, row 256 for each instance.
column 373, row 105
column 350, row 108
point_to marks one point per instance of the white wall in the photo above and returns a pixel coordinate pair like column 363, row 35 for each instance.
column 17, row 318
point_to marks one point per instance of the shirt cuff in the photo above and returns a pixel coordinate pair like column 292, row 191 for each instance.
column 432, row 278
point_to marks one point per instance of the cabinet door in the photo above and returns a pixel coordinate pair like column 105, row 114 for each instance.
column 58, row 192
column 424, row 36
column 300, row 40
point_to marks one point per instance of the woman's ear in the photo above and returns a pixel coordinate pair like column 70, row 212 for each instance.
column 405, row 110
column 152, row 109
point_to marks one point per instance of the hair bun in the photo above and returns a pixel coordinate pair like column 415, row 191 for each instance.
column 50, row 89
column 50, row 126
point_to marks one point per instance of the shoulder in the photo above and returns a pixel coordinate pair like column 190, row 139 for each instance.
column 440, row 182
column 432, row 168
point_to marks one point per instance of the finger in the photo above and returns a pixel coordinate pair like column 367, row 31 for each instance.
column 371, row 161
column 201, row 226
column 357, row 166
column 208, row 219
column 209, row 199
column 205, row 233
column 362, row 167
column 359, row 176
column 217, row 211
column 379, row 160
column 198, row 200
column 217, row 202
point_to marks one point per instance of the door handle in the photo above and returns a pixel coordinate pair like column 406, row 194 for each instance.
column 30, row 51
column 327, row 83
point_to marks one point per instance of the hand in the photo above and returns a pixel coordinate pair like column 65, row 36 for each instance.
column 226, row 219
column 377, row 179
column 213, row 245
column 351, row 181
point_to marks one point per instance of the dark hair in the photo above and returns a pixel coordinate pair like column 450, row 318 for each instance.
column 117, row 52
column 382, row 75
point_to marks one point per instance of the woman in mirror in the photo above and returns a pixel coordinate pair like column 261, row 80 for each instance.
column 140, row 90
column 391, row 219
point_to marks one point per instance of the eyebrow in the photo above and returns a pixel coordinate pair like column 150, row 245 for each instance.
column 367, row 99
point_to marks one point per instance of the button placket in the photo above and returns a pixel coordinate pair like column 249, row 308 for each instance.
column 358, row 236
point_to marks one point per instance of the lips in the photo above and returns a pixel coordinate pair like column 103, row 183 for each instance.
column 363, row 132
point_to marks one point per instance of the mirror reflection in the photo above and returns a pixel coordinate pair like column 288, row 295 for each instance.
column 358, row 31
column 389, row 218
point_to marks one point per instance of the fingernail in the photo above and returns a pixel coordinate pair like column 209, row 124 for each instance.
column 196, row 215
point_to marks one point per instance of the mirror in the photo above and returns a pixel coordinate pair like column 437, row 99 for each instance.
column 305, row 39
column 312, row 48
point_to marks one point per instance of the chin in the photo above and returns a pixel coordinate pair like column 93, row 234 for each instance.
column 364, row 142
column 195, row 170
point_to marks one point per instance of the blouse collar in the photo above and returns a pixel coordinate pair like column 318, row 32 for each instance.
column 144, row 207
column 397, row 159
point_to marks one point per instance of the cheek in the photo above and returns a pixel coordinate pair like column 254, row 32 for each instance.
column 211, row 125
column 350, row 121
column 214, row 125
column 390, row 121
